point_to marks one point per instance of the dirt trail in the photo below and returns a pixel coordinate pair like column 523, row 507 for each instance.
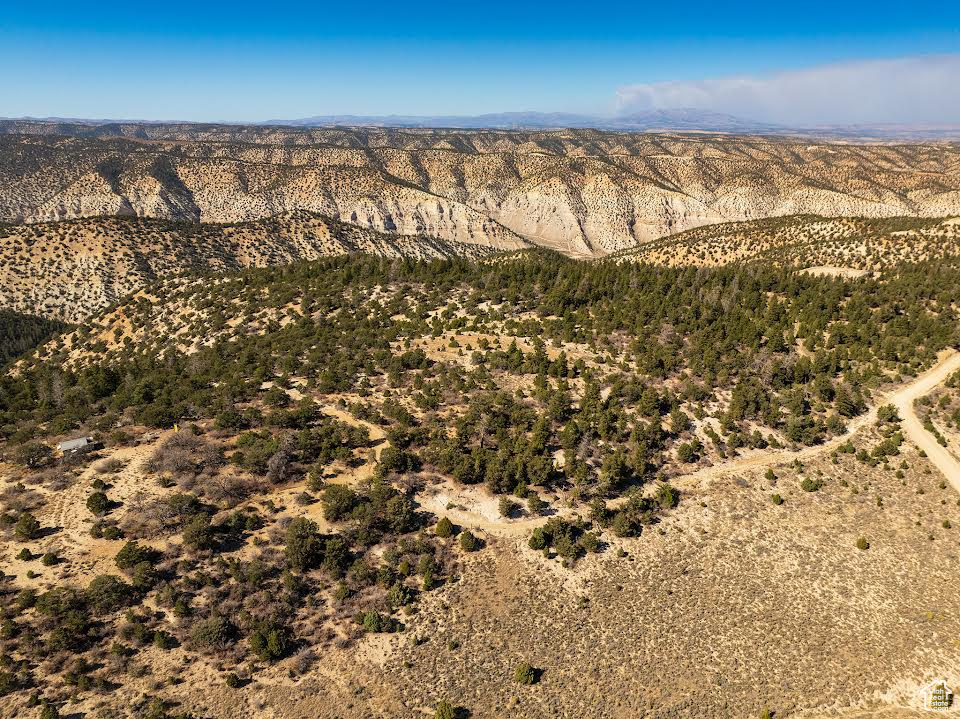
column 467, row 510
column 67, row 515
column 474, row 509
column 903, row 400
column 378, row 437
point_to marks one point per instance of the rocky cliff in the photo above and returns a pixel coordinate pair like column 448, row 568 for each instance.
column 584, row 192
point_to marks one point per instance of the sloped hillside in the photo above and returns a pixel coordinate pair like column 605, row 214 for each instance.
column 20, row 333
column 69, row 270
column 827, row 244
column 583, row 192
column 364, row 487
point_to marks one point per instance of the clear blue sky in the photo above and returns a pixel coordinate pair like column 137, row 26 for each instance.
column 240, row 61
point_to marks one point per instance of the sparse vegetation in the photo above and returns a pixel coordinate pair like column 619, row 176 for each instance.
column 525, row 674
column 302, row 456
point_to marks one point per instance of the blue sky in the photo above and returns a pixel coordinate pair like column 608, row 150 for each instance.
column 242, row 61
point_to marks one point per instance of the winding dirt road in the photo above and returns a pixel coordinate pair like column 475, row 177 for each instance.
column 903, row 400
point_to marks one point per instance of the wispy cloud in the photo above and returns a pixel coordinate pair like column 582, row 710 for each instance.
column 911, row 89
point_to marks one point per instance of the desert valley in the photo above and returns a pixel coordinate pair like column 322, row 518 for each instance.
column 403, row 422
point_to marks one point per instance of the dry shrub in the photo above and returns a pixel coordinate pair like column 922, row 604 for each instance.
column 185, row 454
column 344, row 642
column 276, row 535
column 278, row 466
column 188, row 483
column 56, row 662
column 304, row 660
column 57, row 480
column 148, row 519
column 183, row 440
column 210, row 458
column 171, row 459
column 108, row 466
column 222, row 490
column 229, row 490
column 19, row 499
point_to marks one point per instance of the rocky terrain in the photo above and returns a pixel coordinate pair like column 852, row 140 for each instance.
column 360, row 449
column 69, row 270
column 844, row 245
column 322, row 490
column 584, row 192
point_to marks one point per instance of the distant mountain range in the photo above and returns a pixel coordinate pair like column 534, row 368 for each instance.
column 679, row 119
column 670, row 120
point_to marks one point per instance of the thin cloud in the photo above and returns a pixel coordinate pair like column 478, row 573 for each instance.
column 903, row 90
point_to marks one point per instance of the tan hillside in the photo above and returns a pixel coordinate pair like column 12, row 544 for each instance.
column 848, row 245
column 583, row 192
column 69, row 270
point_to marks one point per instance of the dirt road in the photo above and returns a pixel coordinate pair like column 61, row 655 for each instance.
column 903, row 400
column 468, row 511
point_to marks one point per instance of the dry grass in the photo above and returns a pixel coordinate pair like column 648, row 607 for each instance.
column 71, row 270
column 730, row 605
column 838, row 247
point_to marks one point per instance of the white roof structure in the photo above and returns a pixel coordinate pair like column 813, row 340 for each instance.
column 70, row 445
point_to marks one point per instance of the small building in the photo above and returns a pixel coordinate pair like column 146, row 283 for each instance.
column 77, row 445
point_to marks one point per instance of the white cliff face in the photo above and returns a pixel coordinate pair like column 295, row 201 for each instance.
column 584, row 193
